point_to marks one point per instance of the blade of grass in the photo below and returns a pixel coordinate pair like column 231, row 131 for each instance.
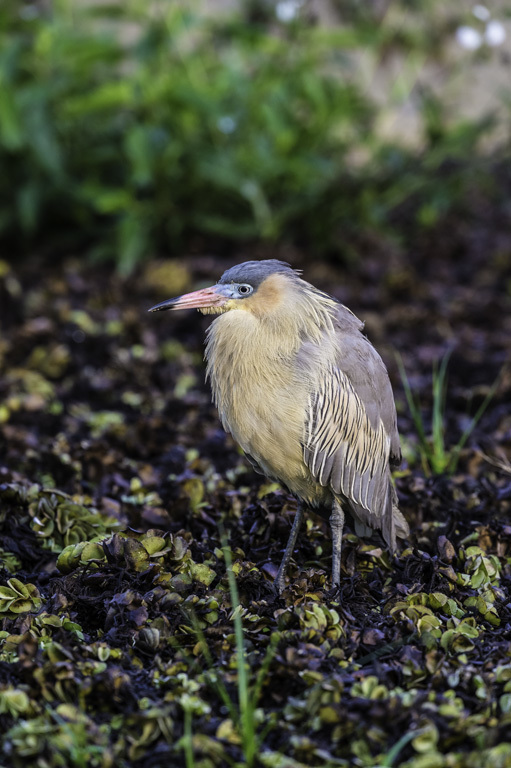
column 247, row 711
column 438, row 456
column 470, row 428
column 243, row 717
column 213, row 679
column 216, row 683
column 257, row 689
column 263, row 670
column 415, row 411
column 392, row 754
column 188, row 738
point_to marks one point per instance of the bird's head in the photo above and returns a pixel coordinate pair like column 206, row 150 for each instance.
column 256, row 286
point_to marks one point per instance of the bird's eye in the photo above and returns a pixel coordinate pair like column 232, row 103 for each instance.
column 245, row 290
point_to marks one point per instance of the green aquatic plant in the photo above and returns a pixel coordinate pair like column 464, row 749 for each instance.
column 436, row 456
column 17, row 597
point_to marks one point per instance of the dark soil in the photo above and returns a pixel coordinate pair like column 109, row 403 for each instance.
column 107, row 430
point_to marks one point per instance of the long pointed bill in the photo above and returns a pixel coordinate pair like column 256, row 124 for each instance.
column 215, row 296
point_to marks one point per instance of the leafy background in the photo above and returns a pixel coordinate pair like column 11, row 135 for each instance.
column 127, row 131
column 144, row 149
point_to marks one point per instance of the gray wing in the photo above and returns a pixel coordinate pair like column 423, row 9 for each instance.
column 351, row 432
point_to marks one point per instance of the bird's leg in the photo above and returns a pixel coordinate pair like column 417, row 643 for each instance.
column 337, row 525
column 280, row 581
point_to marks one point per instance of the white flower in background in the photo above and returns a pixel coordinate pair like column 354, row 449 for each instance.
column 469, row 38
column 495, row 34
column 287, row 10
column 481, row 12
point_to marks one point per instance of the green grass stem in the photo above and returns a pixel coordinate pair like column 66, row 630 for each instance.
column 436, row 458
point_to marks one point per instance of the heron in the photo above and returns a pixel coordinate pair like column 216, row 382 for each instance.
column 306, row 396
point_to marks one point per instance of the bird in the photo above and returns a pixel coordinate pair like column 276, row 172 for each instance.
column 307, row 397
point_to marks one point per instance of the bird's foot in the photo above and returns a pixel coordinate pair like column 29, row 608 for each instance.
column 334, row 593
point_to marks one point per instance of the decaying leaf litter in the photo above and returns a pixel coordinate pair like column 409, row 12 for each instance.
column 118, row 643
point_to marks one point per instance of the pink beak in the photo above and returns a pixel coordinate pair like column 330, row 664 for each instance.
column 214, row 296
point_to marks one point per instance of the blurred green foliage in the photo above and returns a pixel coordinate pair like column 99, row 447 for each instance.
column 129, row 127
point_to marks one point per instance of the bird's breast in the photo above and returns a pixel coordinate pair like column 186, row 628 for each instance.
column 261, row 398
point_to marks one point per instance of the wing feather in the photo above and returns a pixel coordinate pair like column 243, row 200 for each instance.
column 350, row 436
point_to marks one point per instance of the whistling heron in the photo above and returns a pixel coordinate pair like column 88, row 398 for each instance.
column 305, row 395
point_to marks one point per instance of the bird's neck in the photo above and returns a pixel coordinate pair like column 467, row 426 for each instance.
column 253, row 357
column 255, row 338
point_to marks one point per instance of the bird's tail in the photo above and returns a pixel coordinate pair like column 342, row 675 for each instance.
column 400, row 525
column 390, row 521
